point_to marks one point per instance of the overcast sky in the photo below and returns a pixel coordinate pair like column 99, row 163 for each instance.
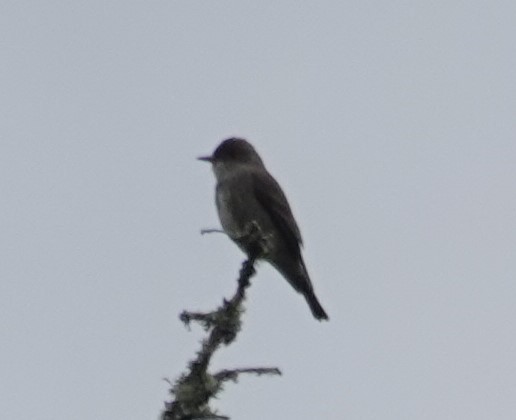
column 391, row 127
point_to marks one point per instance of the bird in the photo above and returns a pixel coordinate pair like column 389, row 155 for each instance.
column 248, row 199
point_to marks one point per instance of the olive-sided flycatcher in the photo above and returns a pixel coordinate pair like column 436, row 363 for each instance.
column 247, row 195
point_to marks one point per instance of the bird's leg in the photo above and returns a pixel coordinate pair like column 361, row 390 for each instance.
column 255, row 242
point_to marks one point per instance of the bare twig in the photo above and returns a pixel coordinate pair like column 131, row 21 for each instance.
column 205, row 231
column 233, row 374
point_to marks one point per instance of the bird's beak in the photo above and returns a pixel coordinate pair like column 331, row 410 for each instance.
column 206, row 158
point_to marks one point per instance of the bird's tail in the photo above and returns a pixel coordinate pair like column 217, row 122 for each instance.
column 317, row 310
column 296, row 274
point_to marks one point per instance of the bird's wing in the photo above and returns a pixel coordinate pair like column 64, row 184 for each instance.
column 270, row 195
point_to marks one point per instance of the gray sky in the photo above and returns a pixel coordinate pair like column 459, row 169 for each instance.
column 391, row 127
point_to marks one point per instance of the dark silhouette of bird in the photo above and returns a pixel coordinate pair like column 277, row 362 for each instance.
column 248, row 198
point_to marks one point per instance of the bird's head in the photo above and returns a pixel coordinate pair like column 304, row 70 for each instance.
column 232, row 152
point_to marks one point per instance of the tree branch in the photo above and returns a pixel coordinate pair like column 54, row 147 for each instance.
column 194, row 389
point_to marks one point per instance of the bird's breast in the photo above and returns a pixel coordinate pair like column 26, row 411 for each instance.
column 228, row 211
